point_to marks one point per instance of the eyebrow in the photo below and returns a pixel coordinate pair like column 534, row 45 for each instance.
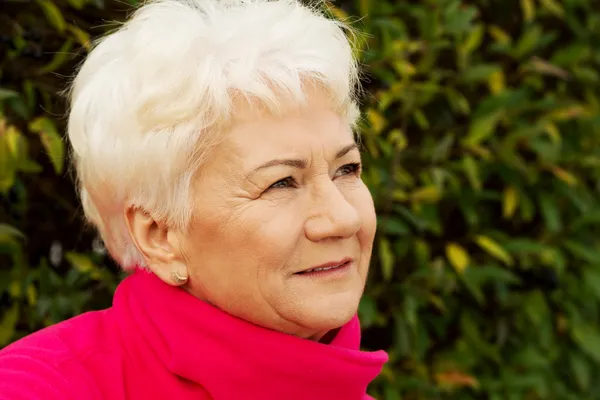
column 301, row 164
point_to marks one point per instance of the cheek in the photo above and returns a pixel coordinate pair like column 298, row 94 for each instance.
column 276, row 239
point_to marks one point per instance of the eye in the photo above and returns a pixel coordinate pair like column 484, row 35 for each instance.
column 348, row 169
column 284, row 183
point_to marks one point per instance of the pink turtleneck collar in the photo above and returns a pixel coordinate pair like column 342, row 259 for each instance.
column 231, row 358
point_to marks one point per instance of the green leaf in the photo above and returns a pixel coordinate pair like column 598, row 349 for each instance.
column 587, row 337
column 387, row 259
column 51, row 141
column 479, row 73
column 524, row 246
column 571, row 54
column 60, row 57
column 459, row 19
column 6, row 94
column 472, row 333
column 30, row 97
column 581, row 370
column 550, row 213
column 367, row 310
column 536, row 308
column 591, row 277
column 458, row 101
column 508, row 100
column 588, row 253
column 589, row 219
column 422, row 253
column 393, row 226
column 53, row 14
column 528, row 42
column 491, row 274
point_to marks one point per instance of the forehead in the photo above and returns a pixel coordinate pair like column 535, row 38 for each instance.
column 257, row 134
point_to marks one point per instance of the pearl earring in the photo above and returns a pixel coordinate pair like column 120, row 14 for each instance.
column 178, row 279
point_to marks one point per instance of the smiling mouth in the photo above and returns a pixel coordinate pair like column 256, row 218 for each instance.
column 326, row 268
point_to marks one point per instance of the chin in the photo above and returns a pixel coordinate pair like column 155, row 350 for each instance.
column 331, row 313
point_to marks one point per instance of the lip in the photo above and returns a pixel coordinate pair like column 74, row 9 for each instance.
column 346, row 260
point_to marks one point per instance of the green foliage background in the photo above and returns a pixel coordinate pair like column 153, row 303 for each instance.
column 481, row 136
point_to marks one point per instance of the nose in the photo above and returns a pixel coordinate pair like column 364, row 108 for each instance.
column 331, row 215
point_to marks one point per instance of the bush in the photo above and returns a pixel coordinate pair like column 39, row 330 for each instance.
column 481, row 137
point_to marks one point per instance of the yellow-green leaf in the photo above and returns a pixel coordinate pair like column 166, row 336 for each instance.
column 31, row 295
column 494, row 249
column 496, row 82
column 482, row 128
column 82, row 37
column 554, row 7
column 586, row 336
column 510, row 202
column 499, row 34
column 387, row 259
column 399, row 195
column 51, row 141
column 564, row 175
column 472, row 172
column 421, row 119
column 404, row 68
column 544, row 67
column 567, row 113
column 78, row 4
column 553, row 132
column 473, row 40
column 398, row 139
column 8, row 323
column 528, row 9
column 428, row 194
column 80, row 262
column 13, row 138
column 480, row 151
column 8, row 164
column 10, row 231
column 458, row 257
column 15, row 290
column 53, row 14
column 376, row 120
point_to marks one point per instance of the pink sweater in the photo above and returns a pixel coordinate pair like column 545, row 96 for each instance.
column 159, row 342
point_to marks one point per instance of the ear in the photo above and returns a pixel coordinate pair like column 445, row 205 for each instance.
column 158, row 244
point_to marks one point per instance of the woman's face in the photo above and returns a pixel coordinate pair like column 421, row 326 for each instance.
column 281, row 196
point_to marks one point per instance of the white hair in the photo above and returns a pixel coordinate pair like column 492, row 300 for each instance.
column 148, row 95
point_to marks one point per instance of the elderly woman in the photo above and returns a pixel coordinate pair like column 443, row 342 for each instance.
column 214, row 146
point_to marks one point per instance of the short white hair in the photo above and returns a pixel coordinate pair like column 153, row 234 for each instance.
column 148, row 95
